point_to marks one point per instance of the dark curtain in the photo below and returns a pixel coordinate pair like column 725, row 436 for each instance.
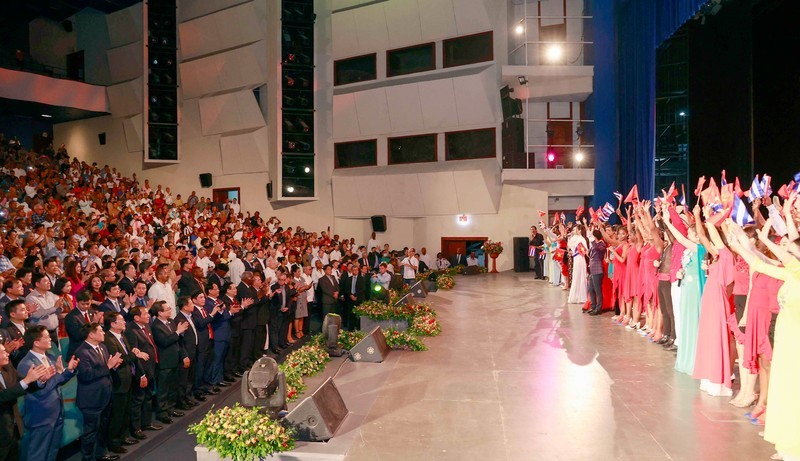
column 641, row 25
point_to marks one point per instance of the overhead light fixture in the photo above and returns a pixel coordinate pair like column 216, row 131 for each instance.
column 682, row 113
column 47, row 116
column 520, row 29
column 307, row 169
column 522, row 80
column 578, row 157
column 462, row 220
column 553, row 53
column 290, row 189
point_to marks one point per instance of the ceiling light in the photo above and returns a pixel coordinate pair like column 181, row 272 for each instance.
column 47, row 116
column 519, row 30
column 554, row 52
column 307, row 169
column 290, row 189
column 682, row 113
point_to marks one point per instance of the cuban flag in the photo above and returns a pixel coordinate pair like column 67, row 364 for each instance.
column 563, row 218
column 683, row 195
column 608, row 210
column 722, row 180
column 740, row 214
column 619, row 196
column 760, row 189
column 717, row 207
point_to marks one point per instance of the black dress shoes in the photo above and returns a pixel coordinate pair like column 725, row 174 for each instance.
column 200, row 397
column 154, row 427
column 183, row 407
column 230, row 379
column 176, row 414
column 238, row 374
column 120, row 450
column 108, row 458
column 139, row 435
column 165, row 420
column 222, row 384
column 596, row 312
column 130, row 441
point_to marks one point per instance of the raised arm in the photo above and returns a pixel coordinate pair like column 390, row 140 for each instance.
column 679, row 237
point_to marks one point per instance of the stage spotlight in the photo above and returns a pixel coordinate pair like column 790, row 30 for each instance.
column 578, row 157
column 682, row 113
column 307, row 169
column 520, row 29
column 290, row 189
column 554, row 52
column 551, row 157
column 522, row 80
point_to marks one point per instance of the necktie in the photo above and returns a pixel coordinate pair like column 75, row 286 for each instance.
column 283, row 298
column 124, row 343
column 204, row 315
column 100, row 353
column 86, row 316
column 353, row 286
column 150, row 340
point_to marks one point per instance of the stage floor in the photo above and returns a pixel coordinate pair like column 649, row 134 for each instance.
column 519, row 375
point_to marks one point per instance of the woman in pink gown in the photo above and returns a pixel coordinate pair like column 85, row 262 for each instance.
column 712, row 357
column 631, row 291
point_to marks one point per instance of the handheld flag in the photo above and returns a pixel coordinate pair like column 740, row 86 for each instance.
column 619, row 196
column 711, row 193
column 563, row 218
column 699, row 189
column 737, row 188
column 683, row 195
column 542, row 214
column 740, row 214
column 760, row 189
column 722, row 180
column 555, row 218
column 578, row 213
column 633, row 195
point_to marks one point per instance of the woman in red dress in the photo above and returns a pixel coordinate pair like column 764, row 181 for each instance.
column 631, row 291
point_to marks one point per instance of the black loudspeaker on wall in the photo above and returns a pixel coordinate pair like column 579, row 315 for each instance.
column 101, row 138
column 513, row 133
column 379, row 223
column 371, row 349
column 521, row 262
column 318, row 417
column 269, row 190
column 205, row 180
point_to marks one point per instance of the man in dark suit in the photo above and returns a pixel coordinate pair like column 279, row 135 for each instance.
column 128, row 280
column 374, row 259
column 166, row 337
column 77, row 318
column 248, row 323
column 94, row 392
column 202, row 319
column 458, row 259
column 112, row 302
column 261, row 307
column 537, row 241
column 188, row 341
column 329, row 291
column 123, row 378
column 279, row 311
column 44, row 408
column 221, row 327
column 217, row 275
column 11, row 389
column 17, row 314
column 140, row 337
column 352, row 288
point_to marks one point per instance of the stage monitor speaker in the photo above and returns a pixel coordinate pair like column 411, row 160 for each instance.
column 101, row 138
column 418, row 290
column 379, row 223
column 269, row 190
column 521, row 261
column 372, row 348
column 472, row 270
column 318, row 416
column 205, row 180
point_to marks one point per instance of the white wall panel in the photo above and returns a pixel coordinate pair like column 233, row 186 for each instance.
column 405, row 109
column 125, row 26
column 406, row 195
column 190, row 9
column 473, row 16
column 241, row 154
column 438, row 102
column 125, row 99
column 230, row 113
column 370, row 23
column 437, row 19
column 133, row 129
column 52, row 44
column 126, row 62
column 232, row 70
column 559, row 109
column 344, row 35
column 402, row 19
column 373, row 112
column 190, row 119
column 439, row 193
column 222, row 30
column 339, row 4
column 345, row 116
column 472, row 192
column 348, row 195
column 374, row 195
column 475, row 104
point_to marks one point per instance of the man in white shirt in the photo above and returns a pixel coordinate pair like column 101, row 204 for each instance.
column 162, row 289
column 335, row 255
column 472, row 260
column 203, row 261
column 373, row 242
column 236, row 268
column 410, row 264
column 427, row 258
column 46, row 313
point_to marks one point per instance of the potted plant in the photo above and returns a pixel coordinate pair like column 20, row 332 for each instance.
column 493, row 249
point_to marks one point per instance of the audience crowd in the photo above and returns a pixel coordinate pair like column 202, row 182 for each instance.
column 715, row 284
column 153, row 301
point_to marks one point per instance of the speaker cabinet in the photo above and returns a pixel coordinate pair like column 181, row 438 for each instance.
column 513, row 134
column 318, row 416
column 205, row 180
column 378, row 223
column 418, row 290
column 101, row 138
column 269, row 190
column 521, row 261
column 372, row 348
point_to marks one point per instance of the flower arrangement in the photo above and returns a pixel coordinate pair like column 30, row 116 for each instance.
column 455, row 270
column 492, row 247
column 425, row 325
column 377, row 310
column 422, row 275
column 401, row 340
column 483, row 269
column 395, row 295
column 242, row 433
column 348, row 339
column 306, row 361
column 445, row 282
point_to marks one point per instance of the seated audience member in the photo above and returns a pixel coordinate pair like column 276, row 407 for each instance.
column 472, row 260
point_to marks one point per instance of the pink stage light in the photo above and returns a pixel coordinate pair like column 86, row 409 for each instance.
column 551, row 157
